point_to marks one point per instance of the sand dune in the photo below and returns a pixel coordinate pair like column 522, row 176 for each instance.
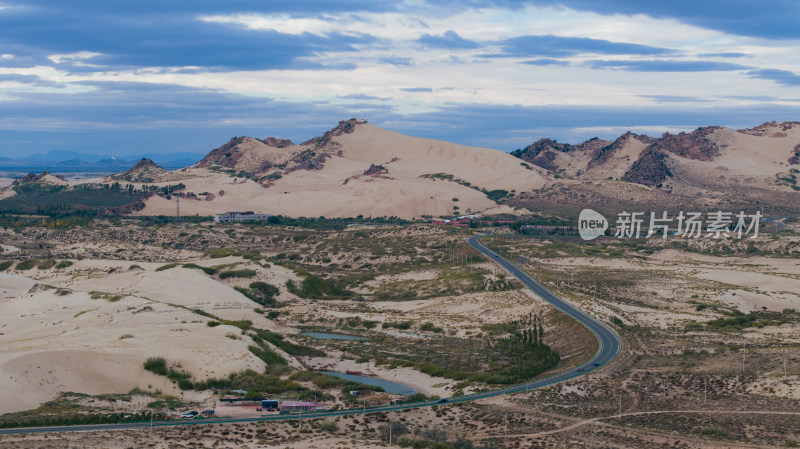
column 342, row 189
column 55, row 340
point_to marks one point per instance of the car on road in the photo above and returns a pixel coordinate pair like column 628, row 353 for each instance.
column 580, row 368
column 189, row 415
column 596, row 363
column 441, row 401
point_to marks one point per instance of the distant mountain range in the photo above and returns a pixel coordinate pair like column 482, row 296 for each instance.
column 71, row 161
column 357, row 168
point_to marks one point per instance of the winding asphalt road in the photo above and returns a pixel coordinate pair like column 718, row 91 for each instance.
column 610, row 346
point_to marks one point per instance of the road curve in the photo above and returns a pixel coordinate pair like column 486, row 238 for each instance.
column 610, row 345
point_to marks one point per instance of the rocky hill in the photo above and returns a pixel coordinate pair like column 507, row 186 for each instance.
column 356, row 168
column 145, row 171
column 353, row 169
column 706, row 167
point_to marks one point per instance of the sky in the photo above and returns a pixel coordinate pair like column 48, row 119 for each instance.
column 121, row 78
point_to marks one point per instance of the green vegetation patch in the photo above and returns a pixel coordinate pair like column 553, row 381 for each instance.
column 207, row 270
column 63, row 264
column 46, row 264
column 65, row 411
column 27, row 264
column 313, row 287
column 158, row 365
column 219, row 253
column 243, row 273
column 517, row 356
column 59, row 201
column 261, row 292
column 167, row 266
column 107, row 296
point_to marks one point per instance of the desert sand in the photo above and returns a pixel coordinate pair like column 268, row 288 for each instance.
column 54, row 337
column 340, row 188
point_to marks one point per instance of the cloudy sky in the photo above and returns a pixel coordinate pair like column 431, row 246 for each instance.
column 125, row 77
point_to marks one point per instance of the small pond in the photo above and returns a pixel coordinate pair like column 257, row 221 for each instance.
column 332, row 336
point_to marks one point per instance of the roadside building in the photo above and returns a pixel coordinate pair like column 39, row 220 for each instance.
column 301, row 407
column 230, row 217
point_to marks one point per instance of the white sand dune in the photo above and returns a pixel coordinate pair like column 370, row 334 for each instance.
column 56, row 341
column 340, row 188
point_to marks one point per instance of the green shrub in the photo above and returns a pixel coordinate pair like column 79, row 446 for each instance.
column 207, row 270
column 225, row 252
column 269, row 356
column 286, row 346
column 213, row 323
column 402, row 325
column 313, row 287
column 714, row 431
column 262, row 293
column 244, row 273
column 27, row 264
column 328, row 426
column 157, row 365
column 429, row 327
column 46, row 264
column 63, row 264
column 496, row 195
column 6, row 265
column 185, row 384
column 416, row 397
column 167, row 266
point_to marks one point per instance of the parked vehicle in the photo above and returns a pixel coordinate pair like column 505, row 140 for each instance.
column 191, row 414
column 207, row 413
column 442, row 400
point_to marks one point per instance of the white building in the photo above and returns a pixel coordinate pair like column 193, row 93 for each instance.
column 230, row 217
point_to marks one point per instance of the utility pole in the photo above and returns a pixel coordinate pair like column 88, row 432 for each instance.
column 505, row 422
column 151, row 425
column 784, row 364
column 620, row 404
column 705, row 390
column 744, row 354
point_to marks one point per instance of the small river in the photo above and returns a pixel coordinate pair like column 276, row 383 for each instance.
column 388, row 386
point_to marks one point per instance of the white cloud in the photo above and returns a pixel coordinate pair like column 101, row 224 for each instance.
column 461, row 76
column 73, row 57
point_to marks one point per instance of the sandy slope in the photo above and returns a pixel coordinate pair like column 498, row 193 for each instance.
column 744, row 161
column 51, row 342
column 340, row 188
